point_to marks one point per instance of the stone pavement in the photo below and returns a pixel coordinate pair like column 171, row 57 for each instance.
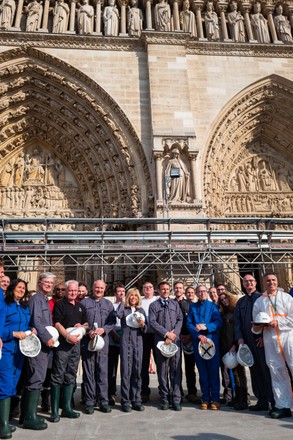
column 152, row 424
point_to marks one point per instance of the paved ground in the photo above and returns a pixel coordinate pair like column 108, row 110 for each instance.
column 152, row 424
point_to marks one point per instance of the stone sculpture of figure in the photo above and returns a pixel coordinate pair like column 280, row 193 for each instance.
column 6, row 176
column 179, row 186
column 265, row 178
column 236, row 23
column 35, row 171
column 259, row 25
column 111, row 19
column 60, row 17
column 211, row 23
column 85, row 18
column 282, row 25
column 34, row 16
column 162, row 16
column 187, row 19
column 19, row 170
column 50, row 170
column 134, row 19
column 7, row 11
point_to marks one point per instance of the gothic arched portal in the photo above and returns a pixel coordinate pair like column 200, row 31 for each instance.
column 248, row 167
column 66, row 147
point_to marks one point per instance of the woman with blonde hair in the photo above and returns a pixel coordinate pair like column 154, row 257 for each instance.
column 133, row 325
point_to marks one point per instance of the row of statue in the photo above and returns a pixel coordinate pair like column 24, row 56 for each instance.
column 231, row 24
column 255, row 203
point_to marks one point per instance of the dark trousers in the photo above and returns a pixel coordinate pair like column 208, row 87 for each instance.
column 148, row 345
column 113, row 359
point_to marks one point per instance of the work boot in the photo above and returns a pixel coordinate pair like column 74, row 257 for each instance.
column 31, row 420
column 241, row 402
column 5, row 431
column 55, row 398
column 67, row 410
column 45, row 402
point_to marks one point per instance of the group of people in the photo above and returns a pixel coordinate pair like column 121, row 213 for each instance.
column 202, row 324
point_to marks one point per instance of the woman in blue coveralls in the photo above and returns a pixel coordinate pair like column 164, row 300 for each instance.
column 204, row 322
column 14, row 322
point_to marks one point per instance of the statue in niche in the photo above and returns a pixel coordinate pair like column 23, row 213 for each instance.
column 34, row 16
column 50, row 170
column 85, row 18
column 162, row 16
column 111, row 19
column 7, row 12
column 19, row 170
column 236, row 23
column 260, row 25
column 266, row 180
column 211, row 23
column 35, row 171
column 178, row 188
column 282, row 25
column 187, row 19
column 60, row 17
column 134, row 19
column 6, row 176
column 60, row 173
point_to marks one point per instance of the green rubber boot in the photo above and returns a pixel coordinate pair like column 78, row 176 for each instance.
column 31, row 420
column 67, row 410
column 55, row 398
column 5, row 431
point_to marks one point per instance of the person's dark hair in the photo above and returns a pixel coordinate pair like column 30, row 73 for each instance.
column 83, row 285
column 117, row 286
column 164, row 282
column 269, row 273
column 9, row 298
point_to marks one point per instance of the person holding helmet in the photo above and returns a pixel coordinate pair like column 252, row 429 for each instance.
column 15, row 316
column 131, row 350
column 67, row 313
column 165, row 317
column 231, row 377
column 204, row 322
column 259, row 371
column 278, row 342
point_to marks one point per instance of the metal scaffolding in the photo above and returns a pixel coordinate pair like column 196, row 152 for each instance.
column 194, row 249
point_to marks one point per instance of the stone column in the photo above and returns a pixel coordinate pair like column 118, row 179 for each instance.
column 45, row 16
column 290, row 8
column 159, row 179
column 98, row 18
column 149, row 21
column 270, row 8
column 123, row 5
column 72, row 17
column 198, row 6
column 16, row 26
column 222, row 8
column 192, row 158
column 246, row 7
column 176, row 15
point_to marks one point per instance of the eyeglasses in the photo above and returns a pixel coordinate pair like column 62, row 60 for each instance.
column 248, row 281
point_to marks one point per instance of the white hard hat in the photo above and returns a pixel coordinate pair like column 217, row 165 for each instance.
column 167, row 350
column 262, row 318
column 230, row 360
column 188, row 348
column 76, row 331
column 54, row 333
column 96, row 343
column 207, row 349
column 244, row 356
column 133, row 319
column 31, row 345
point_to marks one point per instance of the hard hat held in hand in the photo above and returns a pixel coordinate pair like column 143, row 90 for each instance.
column 54, row 333
column 96, row 343
column 167, row 350
column 207, row 349
column 230, row 360
column 244, row 356
column 76, row 331
column 31, row 345
column 133, row 319
column 262, row 318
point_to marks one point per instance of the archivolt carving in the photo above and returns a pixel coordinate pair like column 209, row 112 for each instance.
column 66, row 114
column 248, row 161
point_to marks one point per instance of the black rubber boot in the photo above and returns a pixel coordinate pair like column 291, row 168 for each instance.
column 67, row 410
column 45, row 402
column 5, row 431
column 55, row 398
column 31, row 420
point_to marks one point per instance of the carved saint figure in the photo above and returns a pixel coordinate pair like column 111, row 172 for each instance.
column 162, row 16
column 19, row 170
column 35, row 171
column 282, row 25
column 178, row 187
column 111, row 19
column 7, row 11
column 236, row 23
column 211, row 23
column 6, row 176
column 260, row 25
column 134, row 19
column 265, row 178
column 85, row 18
column 34, row 16
column 60, row 17
column 187, row 19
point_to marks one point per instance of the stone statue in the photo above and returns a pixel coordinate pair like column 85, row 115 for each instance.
column 259, row 25
column 85, row 18
column 266, row 180
column 19, row 170
column 178, row 187
column 34, row 16
column 162, row 16
column 111, row 19
column 211, row 23
column 7, row 12
column 282, row 25
column 6, row 175
column 60, row 17
column 236, row 23
column 35, row 171
column 134, row 20
column 187, row 19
